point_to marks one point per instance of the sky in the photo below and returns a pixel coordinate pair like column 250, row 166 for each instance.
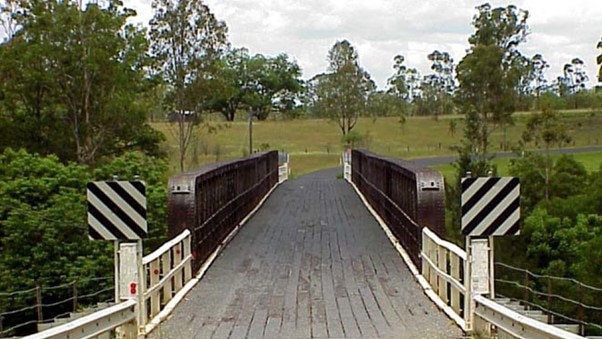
column 380, row 29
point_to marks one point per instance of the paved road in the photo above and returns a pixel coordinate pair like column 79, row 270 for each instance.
column 311, row 263
column 442, row 160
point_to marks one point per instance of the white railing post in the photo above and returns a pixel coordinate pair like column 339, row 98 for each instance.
column 166, row 267
column 177, row 259
column 131, row 280
column 478, row 277
column 187, row 252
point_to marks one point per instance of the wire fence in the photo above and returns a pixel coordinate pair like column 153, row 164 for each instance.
column 22, row 311
column 562, row 299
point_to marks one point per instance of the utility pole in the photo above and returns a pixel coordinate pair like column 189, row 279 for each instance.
column 250, row 131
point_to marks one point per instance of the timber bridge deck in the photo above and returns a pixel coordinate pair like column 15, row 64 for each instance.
column 311, row 263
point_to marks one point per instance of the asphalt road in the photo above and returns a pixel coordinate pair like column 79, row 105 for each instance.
column 442, row 160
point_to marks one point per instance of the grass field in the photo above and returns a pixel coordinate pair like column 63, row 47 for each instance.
column 315, row 144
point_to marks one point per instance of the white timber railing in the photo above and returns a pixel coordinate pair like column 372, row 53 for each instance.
column 166, row 271
column 283, row 172
column 347, row 171
column 96, row 323
column 443, row 267
column 447, row 271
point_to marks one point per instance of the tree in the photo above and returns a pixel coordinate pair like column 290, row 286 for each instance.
column 72, row 80
column 10, row 10
column 405, row 82
column 573, row 80
column 43, row 229
column 270, row 82
column 599, row 60
column 539, row 67
column 437, row 88
column 546, row 129
column 228, row 96
column 384, row 103
column 490, row 74
column 186, row 41
column 342, row 94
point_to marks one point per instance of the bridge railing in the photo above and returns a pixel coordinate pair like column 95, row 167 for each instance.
column 408, row 203
column 212, row 200
column 166, row 271
column 405, row 196
column 96, row 323
column 444, row 268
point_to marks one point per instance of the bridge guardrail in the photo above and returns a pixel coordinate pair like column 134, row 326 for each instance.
column 487, row 312
column 443, row 267
column 166, row 271
column 96, row 323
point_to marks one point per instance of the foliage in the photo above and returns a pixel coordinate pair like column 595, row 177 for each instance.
column 70, row 80
column 405, row 82
column 599, row 60
column 384, row 104
column 43, row 229
column 539, row 66
column 186, row 43
column 270, row 82
column 491, row 74
column 43, row 233
column 342, row 94
column 437, row 88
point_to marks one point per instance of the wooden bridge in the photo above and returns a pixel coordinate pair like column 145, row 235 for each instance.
column 311, row 263
column 252, row 255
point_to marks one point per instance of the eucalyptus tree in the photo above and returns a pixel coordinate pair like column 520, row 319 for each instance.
column 342, row 93
column 599, row 60
column 438, row 87
column 186, row 42
column 490, row 74
column 572, row 81
column 539, row 67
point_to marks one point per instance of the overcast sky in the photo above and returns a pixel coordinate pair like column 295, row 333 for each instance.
column 381, row 29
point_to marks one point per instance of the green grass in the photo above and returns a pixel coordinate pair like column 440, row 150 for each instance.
column 316, row 143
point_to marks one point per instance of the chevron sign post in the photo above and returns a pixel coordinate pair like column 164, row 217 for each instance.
column 117, row 210
column 490, row 206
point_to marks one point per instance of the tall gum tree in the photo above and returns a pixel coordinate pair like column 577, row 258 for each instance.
column 490, row 74
column 186, row 42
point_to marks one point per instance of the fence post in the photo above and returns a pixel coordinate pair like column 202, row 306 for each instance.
column 526, row 289
column 74, row 283
column 39, row 303
column 549, row 299
column 581, row 315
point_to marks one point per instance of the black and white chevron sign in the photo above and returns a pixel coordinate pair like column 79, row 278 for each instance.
column 490, row 206
column 117, row 210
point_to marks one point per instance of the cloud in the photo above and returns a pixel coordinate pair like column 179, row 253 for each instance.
column 380, row 29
